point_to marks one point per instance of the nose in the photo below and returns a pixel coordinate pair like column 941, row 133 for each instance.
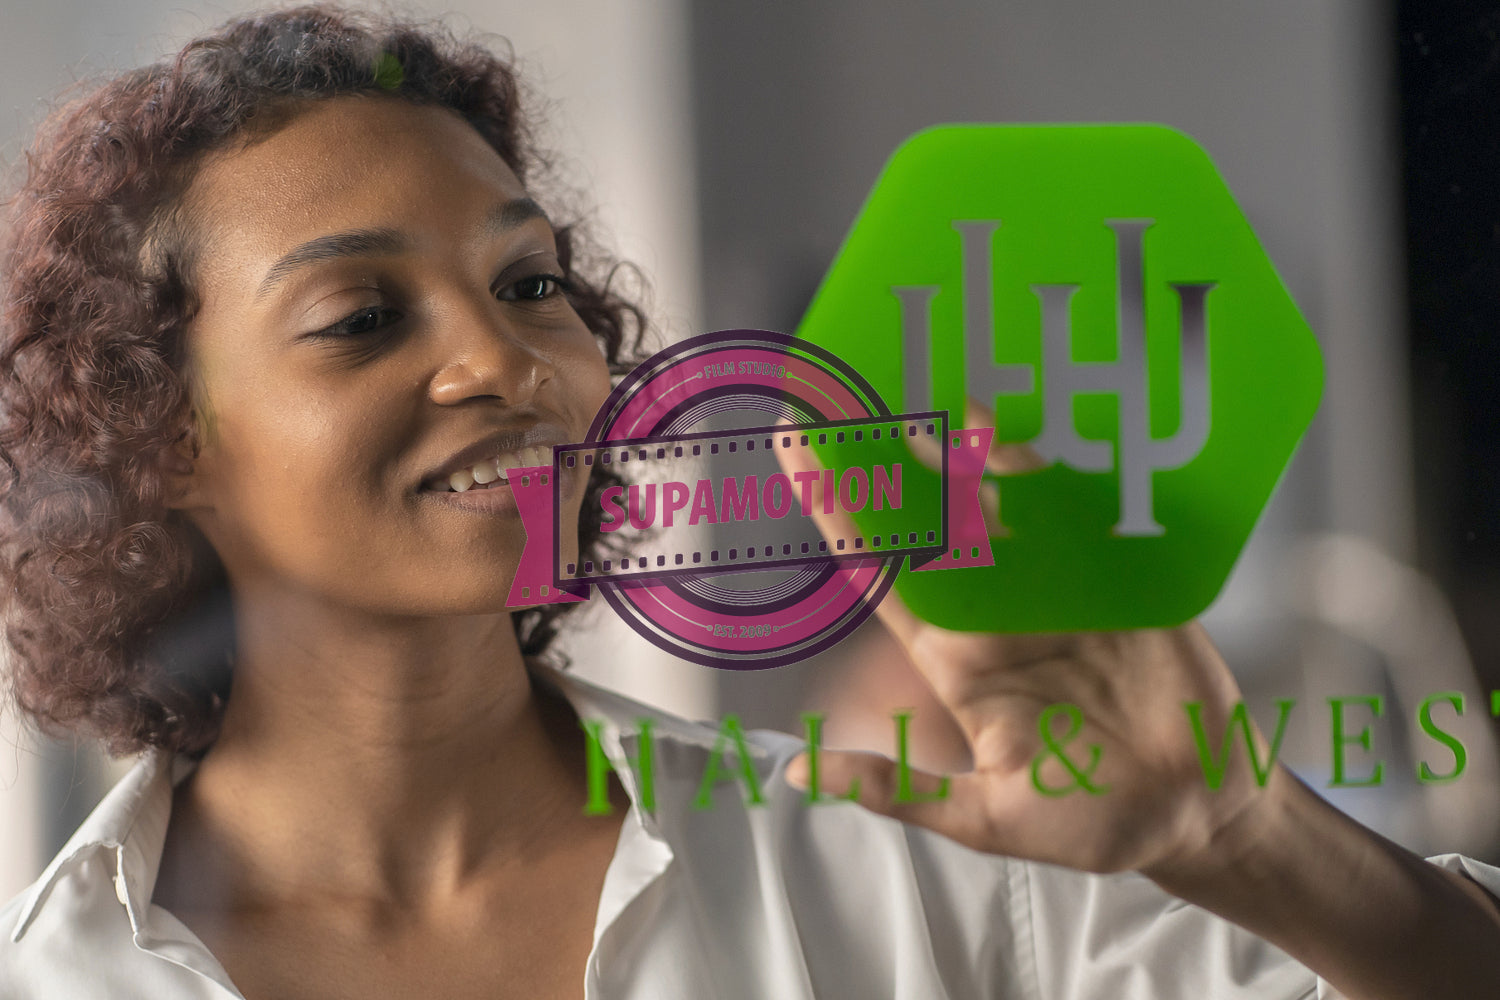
column 487, row 354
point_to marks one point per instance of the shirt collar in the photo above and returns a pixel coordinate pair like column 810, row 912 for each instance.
column 132, row 818
column 132, row 821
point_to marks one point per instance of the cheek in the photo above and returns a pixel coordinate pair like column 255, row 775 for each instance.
column 287, row 462
column 586, row 377
column 598, row 387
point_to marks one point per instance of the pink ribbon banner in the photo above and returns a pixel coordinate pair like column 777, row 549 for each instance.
column 772, row 498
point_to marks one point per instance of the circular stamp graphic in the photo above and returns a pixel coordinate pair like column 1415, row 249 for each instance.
column 742, row 613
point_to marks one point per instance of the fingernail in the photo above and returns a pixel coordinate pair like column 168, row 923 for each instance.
column 796, row 772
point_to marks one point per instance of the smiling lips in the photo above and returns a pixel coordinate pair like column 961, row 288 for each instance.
column 490, row 472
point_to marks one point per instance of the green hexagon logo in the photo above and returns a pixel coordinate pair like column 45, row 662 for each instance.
column 1100, row 288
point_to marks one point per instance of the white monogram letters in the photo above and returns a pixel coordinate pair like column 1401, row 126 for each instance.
column 1140, row 455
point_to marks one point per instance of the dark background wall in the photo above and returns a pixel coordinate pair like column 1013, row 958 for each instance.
column 1449, row 61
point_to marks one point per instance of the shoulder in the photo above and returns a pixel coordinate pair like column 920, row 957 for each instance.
column 853, row 901
column 82, row 929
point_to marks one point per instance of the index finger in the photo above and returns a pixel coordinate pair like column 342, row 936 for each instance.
column 834, row 524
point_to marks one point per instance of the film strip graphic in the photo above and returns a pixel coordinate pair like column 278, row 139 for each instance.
column 703, row 504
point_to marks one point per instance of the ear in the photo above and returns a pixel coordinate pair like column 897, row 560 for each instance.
column 181, row 471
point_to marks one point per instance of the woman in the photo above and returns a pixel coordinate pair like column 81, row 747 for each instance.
column 277, row 315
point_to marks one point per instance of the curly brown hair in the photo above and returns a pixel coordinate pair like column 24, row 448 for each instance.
column 116, row 608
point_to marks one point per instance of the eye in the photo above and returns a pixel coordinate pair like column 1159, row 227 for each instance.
column 533, row 288
column 363, row 322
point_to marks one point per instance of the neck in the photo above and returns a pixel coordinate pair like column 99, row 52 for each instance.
column 387, row 758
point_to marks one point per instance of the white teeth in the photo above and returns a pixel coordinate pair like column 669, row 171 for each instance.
column 489, row 470
column 536, row 455
column 485, row 472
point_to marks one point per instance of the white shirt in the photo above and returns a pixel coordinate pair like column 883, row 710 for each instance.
column 778, row 901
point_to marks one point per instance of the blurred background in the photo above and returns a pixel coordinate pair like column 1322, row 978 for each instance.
column 726, row 148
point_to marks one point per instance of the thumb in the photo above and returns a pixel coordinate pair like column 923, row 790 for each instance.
column 883, row 786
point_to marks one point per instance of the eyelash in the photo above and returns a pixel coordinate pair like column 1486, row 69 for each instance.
column 350, row 326
column 345, row 328
column 554, row 284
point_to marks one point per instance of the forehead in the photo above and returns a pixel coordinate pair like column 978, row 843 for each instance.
column 343, row 163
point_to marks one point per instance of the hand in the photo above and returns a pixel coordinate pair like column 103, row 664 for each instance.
column 1146, row 802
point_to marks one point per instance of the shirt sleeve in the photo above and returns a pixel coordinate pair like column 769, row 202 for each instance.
column 1121, row 937
column 1486, row 875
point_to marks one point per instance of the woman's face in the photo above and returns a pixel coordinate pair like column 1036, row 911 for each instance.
column 379, row 311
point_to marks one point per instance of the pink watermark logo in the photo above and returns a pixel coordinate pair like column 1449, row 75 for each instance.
column 730, row 445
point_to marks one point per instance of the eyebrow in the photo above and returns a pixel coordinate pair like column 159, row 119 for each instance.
column 384, row 242
column 503, row 218
column 354, row 243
